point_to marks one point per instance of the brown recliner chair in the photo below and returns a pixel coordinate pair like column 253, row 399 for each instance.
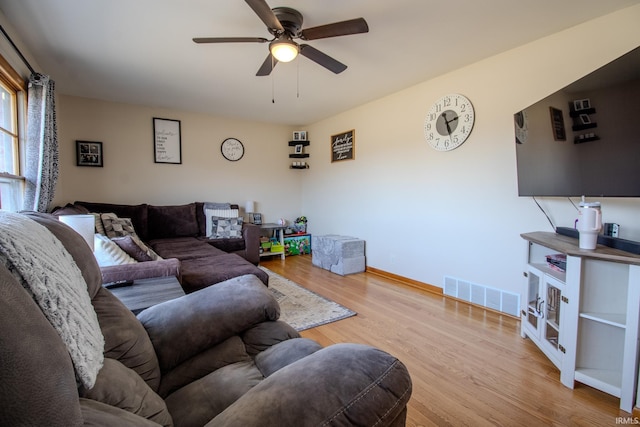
column 218, row 356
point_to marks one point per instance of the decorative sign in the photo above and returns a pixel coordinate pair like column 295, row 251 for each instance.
column 166, row 141
column 343, row 146
column 557, row 124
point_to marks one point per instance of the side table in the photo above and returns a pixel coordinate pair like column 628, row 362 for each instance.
column 277, row 231
column 144, row 293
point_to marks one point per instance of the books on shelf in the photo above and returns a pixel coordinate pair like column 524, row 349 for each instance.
column 557, row 262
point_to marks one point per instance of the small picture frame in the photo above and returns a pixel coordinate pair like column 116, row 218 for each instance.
column 257, row 218
column 581, row 104
column 298, row 149
column 300, row 135
column 577, row 105
column 89, row 153
column 585, row 119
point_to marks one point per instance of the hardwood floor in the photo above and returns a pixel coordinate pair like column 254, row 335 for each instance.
column 469, row 366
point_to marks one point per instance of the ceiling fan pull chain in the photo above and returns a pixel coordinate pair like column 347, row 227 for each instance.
column 298, row 78
column 273, row 84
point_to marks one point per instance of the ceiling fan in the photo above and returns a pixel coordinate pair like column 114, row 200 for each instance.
column 285, row 24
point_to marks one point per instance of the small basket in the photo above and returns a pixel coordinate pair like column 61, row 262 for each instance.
column 277, row 248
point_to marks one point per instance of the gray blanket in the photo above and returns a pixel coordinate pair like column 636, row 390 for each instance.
column 45, row 268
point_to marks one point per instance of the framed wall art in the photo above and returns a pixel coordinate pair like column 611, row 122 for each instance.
column 300, row 135
column 585, row 119
column 89, row 153
column 581, row 104
column 557, row 124
column 343, row 146
column 167, row 147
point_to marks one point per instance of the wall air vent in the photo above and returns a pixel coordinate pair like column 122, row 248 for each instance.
column 484, row 296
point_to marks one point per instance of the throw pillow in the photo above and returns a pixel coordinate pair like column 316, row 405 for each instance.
column 116, row 227
column 219, row 212
column 108, row 253
column 226, row 228
column 154, row 256
column 132, row 249
column 135, row 248
column 99, row 226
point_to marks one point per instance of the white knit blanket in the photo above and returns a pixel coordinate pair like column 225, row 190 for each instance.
column 45, row 268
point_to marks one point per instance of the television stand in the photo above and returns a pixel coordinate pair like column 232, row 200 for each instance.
column 585, row 319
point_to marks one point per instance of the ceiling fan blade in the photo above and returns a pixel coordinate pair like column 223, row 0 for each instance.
column 264, row 12
column 267, row 66
column 344, row 28
column 230, row 40
column 321, row 58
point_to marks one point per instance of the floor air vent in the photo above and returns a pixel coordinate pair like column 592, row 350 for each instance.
column 495, row 299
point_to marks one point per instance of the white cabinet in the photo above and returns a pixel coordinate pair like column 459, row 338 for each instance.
column 586, row 319
column 543, row 314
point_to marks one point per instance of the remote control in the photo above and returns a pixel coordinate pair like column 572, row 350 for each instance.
column 118, row 284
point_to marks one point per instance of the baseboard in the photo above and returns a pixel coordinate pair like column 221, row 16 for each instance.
column 406, row 281
column 431, row 289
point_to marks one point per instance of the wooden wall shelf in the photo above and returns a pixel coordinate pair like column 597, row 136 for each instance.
column 577, row 113
column 303, row 143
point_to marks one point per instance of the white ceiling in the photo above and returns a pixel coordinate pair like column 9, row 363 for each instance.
column 140, row 51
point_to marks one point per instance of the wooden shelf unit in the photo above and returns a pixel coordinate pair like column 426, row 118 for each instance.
column 302, row 155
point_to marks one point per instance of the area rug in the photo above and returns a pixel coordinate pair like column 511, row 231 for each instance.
column 302, row 308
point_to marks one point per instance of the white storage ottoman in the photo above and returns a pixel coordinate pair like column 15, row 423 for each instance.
column 339, row 254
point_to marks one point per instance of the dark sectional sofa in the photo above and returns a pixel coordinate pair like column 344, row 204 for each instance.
column 179, row 232
column 216, row 357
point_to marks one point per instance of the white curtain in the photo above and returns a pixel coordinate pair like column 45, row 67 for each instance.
column 42, row 144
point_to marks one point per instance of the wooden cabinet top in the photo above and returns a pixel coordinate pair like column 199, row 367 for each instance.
column 569, row 245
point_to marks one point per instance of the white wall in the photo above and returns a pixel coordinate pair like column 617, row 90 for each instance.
column 130, row 175
column 426, row 214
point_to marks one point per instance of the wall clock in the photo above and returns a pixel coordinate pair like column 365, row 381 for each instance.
column 522, row 127
column 449, row 122
column 232, row 149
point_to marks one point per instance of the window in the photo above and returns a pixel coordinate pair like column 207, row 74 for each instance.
column 8, row 131
column 12, row 103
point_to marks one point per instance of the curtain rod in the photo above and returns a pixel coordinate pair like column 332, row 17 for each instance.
column 17, row 51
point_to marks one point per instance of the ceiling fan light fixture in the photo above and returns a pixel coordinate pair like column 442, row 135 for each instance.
column 284, row 50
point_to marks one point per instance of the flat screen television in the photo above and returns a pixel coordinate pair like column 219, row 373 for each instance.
column 585, row 138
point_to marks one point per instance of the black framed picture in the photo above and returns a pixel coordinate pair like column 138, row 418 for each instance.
column 582, row 104
column 585, row 119
column 167, row 144
column 89, row 153
column 300, row 135
column 557, row 124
